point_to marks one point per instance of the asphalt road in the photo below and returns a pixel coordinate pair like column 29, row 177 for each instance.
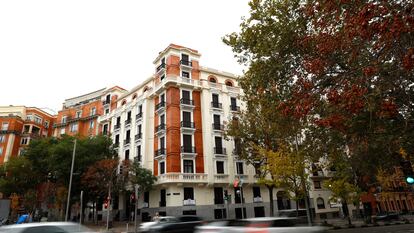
column 404, row 228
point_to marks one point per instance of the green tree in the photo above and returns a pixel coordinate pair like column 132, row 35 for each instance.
column 141, row 176
column 17, row 176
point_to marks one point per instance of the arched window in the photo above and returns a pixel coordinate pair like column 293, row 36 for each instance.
column 212, row 79
column 320, row 203
column 229, row 83
column 145, row 89
column 123, row 102
column 134, row 96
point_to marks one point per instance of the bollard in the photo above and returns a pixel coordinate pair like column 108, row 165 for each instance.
column 127, row 228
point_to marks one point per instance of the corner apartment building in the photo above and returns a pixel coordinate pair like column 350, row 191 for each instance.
column 173, row 124
column 19, row 125
column 79, row 115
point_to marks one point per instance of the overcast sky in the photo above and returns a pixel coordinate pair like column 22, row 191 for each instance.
column 54, row 50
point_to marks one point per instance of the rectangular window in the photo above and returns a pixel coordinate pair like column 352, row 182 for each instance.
column 140, row 108
column 91, row 124
column 162, row 142
column 188, row 193
column 256, row 192
column 163, row 60
column 2, row 138
column 220, row 167
column 118, row 120
column 186, row 95
column 106, row 110
column 218, row 195
column 185, row 74
column 219, row 144
column 105, row 129
column 162, row 98
column 186, row 116
column 29, row 117
column 93, row 111
column 188, row 166
column 139, row 129
column 5, row 126
column 38, row 119
column 162, row 167
column 163, row 198
column 187, row 141
column 239, row 168
column 126, row 154
column 317, row 184
column 24, row 141
column 146, row 197
column 64, row 119
column 117, row 139
column 162, row 77
column 128, row 134
column 78, row 114
column 129, row 115
column 46, row 124
column 108, row 99
column 215, row 98
column 185, row 57
column 74, row 127
column 139, row 157
column 233, row 101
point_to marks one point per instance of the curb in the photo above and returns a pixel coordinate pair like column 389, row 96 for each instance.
column 369, row 225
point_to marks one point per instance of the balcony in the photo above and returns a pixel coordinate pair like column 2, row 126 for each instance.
column 128, row 122
column 127, row 141
column 160, row 107
column 161, row 68
column 220, row 151
column 117, row 127
column 218, row 127
column 187, row 127
column 234, row 108
column 182, row 178
column 186, row 65
column 187, row 103
column 105, row 102
column 257, row 200
column 217, row 105
column 116, row 144
column 189, row 202
column 221, row 178
column 160, row 129
column 138, row 116
column 138, row 137
column 159, row 152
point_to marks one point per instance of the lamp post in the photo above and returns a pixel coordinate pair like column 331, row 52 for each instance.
column 70, row 182
column 136, row 207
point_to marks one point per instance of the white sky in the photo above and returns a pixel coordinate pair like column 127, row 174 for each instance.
column 54, row 50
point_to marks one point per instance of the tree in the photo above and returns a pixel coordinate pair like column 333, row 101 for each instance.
column 17, row 176
column 100, row 177
column 141, row 176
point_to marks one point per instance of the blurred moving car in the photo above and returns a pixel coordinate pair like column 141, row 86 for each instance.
column 265, row 224
column 45, row 227
column 387, row 217
column 184, row 224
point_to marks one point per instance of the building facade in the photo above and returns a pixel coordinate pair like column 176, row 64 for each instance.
column 79, row 115
column 173, row 124
column 19, row 125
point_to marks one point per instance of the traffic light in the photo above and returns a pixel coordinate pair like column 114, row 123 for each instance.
column 407, row 169
column 106, row 204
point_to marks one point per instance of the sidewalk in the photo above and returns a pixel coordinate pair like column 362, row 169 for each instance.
column 117, row 227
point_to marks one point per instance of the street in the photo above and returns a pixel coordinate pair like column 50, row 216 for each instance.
column 381, row 229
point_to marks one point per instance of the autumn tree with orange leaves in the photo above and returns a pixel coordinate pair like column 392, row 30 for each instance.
column 342, row 70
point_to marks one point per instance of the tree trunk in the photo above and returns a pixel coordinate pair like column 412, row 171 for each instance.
column 297, row 207
column 346, row 211
column 272, row 211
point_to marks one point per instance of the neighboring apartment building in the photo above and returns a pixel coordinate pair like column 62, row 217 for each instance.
column 19, row 125
column 173, row 123
column 79, row 115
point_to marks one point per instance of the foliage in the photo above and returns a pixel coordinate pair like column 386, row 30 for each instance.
column 340, row 72
column 141, row 176
column 17, row 176
column 100, row 176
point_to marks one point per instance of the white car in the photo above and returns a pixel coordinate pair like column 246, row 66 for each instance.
column 45, row 227
column 269, row 224
column 146, row 226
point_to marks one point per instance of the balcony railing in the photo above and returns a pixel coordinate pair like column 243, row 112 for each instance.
column 128, row 121
column 160, row 105
column 160, row 152
column 217, row 126
column 188, row 149
column 127, row 141
column 220, row 151
column 182, row 178
column 117, row 126
column 138, row 116
column 187, row 102
column 138, row 136
column 105, row 102
column 216, row 105
column 161, row 67
column 116, row 144
column 234, row 108
column 159, row 127
column 189, row 202
column 186, row 63
column 187, row 124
